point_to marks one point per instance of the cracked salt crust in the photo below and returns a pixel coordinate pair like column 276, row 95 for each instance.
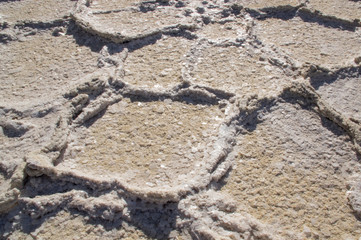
column 296, row 181
column 290, row 170
column 158, row 65
column 26, row 10
column 154, row 143
column 36, row 69
column 324, row 46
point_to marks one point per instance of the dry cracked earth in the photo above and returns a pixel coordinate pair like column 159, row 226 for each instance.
column 180, row 119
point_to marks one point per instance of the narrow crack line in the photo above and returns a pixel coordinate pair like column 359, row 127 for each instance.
column 288, row 12
column 42, row 25
column 318, row 76
column 14, row 32
column 285, row 12
column 315, row 16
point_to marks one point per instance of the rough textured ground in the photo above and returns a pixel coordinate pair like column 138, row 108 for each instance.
column 158, row 143
column 123, row 119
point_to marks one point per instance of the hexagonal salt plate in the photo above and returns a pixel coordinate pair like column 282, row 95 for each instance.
column 349, row 10
column 33, row 10
column 320, row 45
column 237, row 70
column 341, row 90
column 147, row 145
column 292, row 170
column 157, row 65
column 129, row 24
column 37, row 69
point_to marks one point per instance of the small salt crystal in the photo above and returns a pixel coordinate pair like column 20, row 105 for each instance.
column 150, row 184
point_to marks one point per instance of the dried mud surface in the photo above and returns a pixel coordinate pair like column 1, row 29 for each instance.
column 124, row 119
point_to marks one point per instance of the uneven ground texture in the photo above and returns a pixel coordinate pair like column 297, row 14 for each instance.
column 171, row 119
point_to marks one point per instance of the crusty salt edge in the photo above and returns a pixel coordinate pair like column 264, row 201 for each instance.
column 39, row 164
column 212, row 215
column 306, row 91
column 82, row 17
column 353, row 129
column 208, row 214
column 41, row 205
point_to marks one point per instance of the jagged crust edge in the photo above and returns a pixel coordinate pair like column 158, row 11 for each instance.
column 81, row 14
column 44, row 161
column 353, row 129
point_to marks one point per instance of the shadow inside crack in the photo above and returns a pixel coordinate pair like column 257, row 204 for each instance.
column 13, row 129
column 289, row 12
column 282, row 12
column 83, row 38
column 38, row 25
column 10, row 0
column 309, row 105
column 92, row 120
column 136, row 44
column 322, row 77
column 332, row 127
column 155, row 220
column 327, row 21
column 150, row 6
column 248, row 120
column 96, row 43
column 44, row 185
column 21, row 221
